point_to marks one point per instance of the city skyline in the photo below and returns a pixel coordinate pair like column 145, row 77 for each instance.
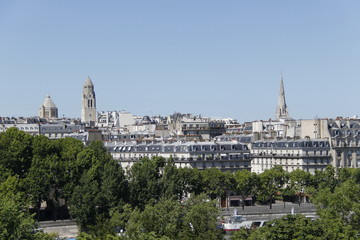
column 160, row 57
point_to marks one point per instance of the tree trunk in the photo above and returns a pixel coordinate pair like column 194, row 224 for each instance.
column 243, row 203
column 270, row 206
column 55, row 213
column 38, row 206
column 284, row 201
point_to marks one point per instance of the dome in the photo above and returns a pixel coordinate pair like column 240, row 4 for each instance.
column 146, row 118
column 48, row 103
column 48, row 109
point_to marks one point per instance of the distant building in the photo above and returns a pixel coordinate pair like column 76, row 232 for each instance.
column 345, row 142
column 305, row 154
column 344, row 137
column 314, row 128
column 88, row 106
column 191, row 126
column 271, row 129
column 227, row 156
column 48, row 109
column 30, row 128
column 59, row 130
column 118, row 136
column 115, row 119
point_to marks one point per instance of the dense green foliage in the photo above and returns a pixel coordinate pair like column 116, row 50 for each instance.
column 87, row 179
column 337, row 197
column 196, row 219
column 15, row 221
column 154, row 199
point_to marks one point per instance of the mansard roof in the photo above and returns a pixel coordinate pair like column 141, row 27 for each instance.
column 179, row 147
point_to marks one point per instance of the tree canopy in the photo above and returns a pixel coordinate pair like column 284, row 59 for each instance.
column 156, row 200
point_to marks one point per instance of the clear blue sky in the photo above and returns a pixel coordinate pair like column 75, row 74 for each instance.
column 214, row 58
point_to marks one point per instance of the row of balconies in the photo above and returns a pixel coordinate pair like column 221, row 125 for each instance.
column 189, row 159
column 274, row 155
column 223, row 167
column 293, row 164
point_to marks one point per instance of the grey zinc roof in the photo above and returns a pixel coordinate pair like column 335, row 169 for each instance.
column 59, row 128
column 179, row 147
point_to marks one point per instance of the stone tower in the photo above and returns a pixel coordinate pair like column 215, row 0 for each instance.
column 282, row 110
column 88, row 106
column 48, row 109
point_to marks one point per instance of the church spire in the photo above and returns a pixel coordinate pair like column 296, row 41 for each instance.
column 281, row 110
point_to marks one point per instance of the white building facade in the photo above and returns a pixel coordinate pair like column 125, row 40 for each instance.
column 305, row 154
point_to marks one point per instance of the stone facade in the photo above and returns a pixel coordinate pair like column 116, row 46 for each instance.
column 230, row 156
column 282, row 111
column 305, row 154
column 88, row 106
column 48, row 109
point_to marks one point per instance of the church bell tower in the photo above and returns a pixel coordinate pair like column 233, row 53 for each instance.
column 281, row 109
column 88, row 106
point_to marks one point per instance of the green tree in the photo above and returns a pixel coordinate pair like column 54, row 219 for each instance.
column 72, row 169
column 299, row 180
column 325, row 178
column 271, row 181
column 192, row 180
column 216, row 182
column 16, row 151
column 341, row 208
column 39, row 178
column 200, row 219
column 295, row 227
column 111, row 225
column 15, row 220
column 162, row 218
column 355, row 175
column 102, row 187
column 194, row 219
column 172, row 183
column 83, row 204
column 246, row 183
column 145, row 181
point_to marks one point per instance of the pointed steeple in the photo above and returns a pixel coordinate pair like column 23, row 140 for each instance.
column 281, row 109
column 88, row 82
